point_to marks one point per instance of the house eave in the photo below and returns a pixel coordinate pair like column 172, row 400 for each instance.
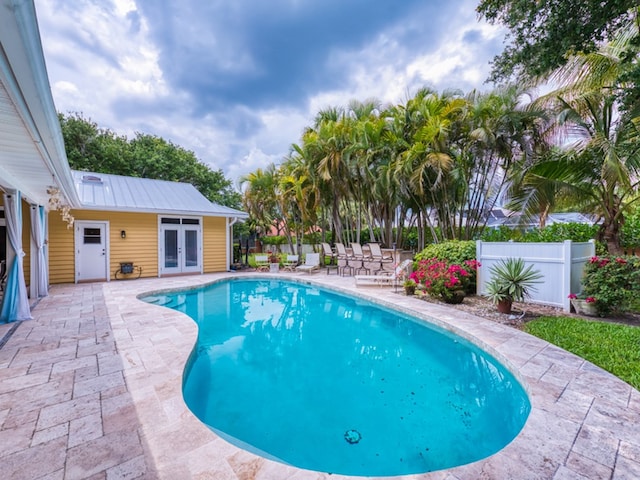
column 29, row 111
column 190, row 213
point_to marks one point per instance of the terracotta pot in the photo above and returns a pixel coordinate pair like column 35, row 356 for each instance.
column 410, row 290
column 504, row 306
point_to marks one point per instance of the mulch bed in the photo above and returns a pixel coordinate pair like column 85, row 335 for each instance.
column 525, row 312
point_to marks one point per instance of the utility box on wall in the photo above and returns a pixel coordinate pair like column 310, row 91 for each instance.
column 126, row 267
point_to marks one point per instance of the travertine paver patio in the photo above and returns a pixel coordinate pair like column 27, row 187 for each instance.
column 91, row 389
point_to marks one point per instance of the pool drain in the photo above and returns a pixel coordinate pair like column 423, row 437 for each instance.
column 352, row 436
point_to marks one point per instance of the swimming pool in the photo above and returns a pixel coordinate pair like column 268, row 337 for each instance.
column 321, row 381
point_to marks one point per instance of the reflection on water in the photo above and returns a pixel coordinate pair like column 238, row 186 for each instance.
column 285, row 369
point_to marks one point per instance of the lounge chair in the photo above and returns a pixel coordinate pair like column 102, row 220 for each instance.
column 291, row 262
column 343, row 256
column 262, row 263
column 378, row 256
column 359, row 256
column 390, row 278
column 311, row 263
column 328, row 252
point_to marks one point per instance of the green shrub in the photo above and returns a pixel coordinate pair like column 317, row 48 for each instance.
column 274, row 240
column 630, row 231
column 312, row 238
column 453, row 251
column 558, row 232
column 500, row 234
column 411, row 239
column 613, row 281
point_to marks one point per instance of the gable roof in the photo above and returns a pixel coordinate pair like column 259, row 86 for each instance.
column 101, row 191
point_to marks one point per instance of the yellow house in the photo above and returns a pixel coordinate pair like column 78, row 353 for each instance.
column 130, row 227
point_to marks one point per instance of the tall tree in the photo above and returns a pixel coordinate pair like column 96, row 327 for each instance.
column 543, row 34
column 260, row 198
column 600, row 168
column 91, row 148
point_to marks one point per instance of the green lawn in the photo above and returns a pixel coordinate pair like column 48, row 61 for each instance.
column 614, row 347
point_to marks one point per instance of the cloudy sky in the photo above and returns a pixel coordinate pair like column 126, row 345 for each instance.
column 236, row 81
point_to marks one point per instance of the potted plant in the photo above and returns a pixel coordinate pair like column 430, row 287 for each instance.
column 584, row 305
column 511, row 281
column 410, row 286
column 274, row 261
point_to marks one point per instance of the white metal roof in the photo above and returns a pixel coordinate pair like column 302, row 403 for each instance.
column 32, row 155
column 101, row 191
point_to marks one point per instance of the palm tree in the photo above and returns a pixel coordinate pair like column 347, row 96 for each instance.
column 531, row 193
column 297, row 199
column 602, row 166
column 259, row 198
column 505, row 137
column 421, row 134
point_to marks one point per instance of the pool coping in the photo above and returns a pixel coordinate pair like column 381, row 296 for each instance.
column 583, row 421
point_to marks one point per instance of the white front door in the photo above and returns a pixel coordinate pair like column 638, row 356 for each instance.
column 91, row 251
column 180, row 245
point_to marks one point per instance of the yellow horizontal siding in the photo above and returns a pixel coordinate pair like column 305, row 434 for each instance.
column 214, row 241
column 61, row 259
column 140, row 245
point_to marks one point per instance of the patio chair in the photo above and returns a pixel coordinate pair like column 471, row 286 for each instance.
column 378, row 256
column 359, row 256
column 385, row 279
column 291, row 262
column 311, row 263
column 328, row 252
column 262, row 263
column 343, row 256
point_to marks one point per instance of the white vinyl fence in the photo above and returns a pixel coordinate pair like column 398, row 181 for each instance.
column 561, row 265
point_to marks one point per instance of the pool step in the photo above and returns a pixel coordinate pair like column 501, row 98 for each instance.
column 162, row 300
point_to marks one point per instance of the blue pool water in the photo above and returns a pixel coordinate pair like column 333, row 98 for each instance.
column 326, row 382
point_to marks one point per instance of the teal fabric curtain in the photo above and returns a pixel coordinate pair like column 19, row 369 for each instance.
column 15, row 305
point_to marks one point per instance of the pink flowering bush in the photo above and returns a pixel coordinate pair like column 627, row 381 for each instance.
column 611, row 282
column 440, row 279
column 472, row 267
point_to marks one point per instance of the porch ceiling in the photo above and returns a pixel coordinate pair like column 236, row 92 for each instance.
column 32, row 156
column 21, row 164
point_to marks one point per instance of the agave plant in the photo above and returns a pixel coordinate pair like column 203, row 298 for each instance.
column 511, row 281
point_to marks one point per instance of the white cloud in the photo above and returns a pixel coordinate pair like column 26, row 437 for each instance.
column 107, row 60
column 103, row 61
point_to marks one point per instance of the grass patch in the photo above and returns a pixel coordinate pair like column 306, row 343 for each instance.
column 613, row 347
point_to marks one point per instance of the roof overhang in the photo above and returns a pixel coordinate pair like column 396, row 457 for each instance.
column 182, row 213
column 32, row 153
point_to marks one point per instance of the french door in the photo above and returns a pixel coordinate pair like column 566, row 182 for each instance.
column 180, row 245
